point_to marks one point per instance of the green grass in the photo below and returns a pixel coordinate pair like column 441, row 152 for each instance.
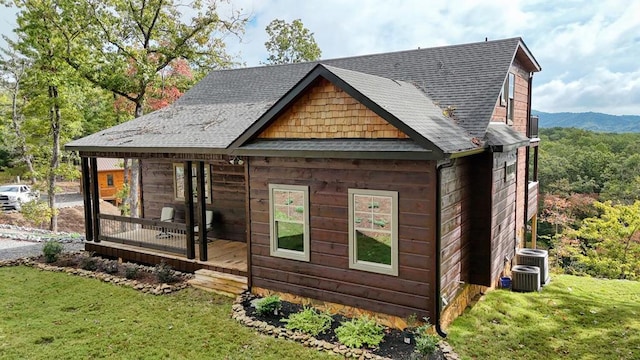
column 290, row 236
column 374, row 250
column 47, row 315
column 572, row 318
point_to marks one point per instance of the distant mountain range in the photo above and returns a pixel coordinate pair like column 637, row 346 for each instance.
column 590, row 121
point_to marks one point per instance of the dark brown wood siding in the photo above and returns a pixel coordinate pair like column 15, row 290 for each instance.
column 227, row 189
column 503, row 215
column 327, row 275
column 456, row 210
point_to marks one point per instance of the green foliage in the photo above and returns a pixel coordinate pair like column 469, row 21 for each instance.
column 131, row 271
column 121, row 196
column 268, row 305
column 89, row 263
column 164, row 273
column 309, row 321
column 290, row 43
column 610, row 242
column 51, row 251
column 361, row 331
column 581, row 161
column 37, row 212
column 426, row 343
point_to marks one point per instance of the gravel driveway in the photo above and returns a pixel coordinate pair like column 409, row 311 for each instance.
column 17, row 242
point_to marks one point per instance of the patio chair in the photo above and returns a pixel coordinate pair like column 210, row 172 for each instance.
column 209, row 222
column 165, row 216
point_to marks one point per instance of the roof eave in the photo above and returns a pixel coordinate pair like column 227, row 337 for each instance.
column 364, row 155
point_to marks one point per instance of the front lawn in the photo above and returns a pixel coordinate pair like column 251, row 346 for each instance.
column 47, row 315
column 572, row 318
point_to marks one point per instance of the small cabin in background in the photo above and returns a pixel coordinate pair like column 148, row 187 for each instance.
column 110, row 178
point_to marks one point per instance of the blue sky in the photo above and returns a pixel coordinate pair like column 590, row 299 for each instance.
column 589, row 50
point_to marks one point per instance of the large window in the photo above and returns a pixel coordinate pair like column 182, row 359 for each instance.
column 373, row 231
column 178, row 182
column 289, row 221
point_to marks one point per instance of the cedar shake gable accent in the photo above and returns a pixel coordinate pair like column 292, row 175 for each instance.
column 399, row 103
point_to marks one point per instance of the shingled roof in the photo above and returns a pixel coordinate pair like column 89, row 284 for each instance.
column 226, row 103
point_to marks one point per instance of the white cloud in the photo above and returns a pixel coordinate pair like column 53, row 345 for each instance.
column 588, row 50
column 604, row 91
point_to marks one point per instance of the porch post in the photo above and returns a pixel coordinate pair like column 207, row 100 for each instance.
column 188, row 209
column 202, row 205
column 95, row 196
column 86, row 196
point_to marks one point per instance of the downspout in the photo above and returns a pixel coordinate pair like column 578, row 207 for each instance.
column 438, row 299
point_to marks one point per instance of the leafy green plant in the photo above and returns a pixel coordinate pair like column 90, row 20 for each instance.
column 309, row 321
column 51, row 251
column 360, row 331
column 426, row 344
column 300, row 209
column 131, row 271
column 37, row 212
column 374, row 205
column 89, row 263
column 164, row 273
column 268, row 305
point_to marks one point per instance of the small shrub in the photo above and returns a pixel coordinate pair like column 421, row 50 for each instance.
column 51, row 251
column 361, row 331
column 426, row 344
column 131, row 271
column 268, row 305
column 164, row 273
column 309, row 321
column 111, row 267
column 89, row 263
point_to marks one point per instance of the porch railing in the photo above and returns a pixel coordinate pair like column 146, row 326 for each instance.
column 145, row 233
column 532, row 199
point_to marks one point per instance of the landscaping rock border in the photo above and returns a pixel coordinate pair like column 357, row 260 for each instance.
column 240, row 315
column 154, row 289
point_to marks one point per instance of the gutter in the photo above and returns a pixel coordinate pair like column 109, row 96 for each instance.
column 438, row 246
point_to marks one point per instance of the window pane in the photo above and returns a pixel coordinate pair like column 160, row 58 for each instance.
column 179, row 181
column 372, row 224
column 373, row 246
column 290, row 235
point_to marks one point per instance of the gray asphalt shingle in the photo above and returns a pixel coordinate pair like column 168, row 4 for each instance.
column 218, row 109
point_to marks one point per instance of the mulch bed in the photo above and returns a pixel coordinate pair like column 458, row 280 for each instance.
column 393, row 345
column 142, row 274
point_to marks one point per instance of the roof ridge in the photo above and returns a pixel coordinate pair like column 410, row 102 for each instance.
column 320, row 61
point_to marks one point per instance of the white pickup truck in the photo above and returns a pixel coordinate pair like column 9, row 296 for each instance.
column 13, row 196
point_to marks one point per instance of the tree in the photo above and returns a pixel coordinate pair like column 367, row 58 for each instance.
column 612, row 240
column 122, row 45
column 290, row 43
column 12, row 72
column 44, row 85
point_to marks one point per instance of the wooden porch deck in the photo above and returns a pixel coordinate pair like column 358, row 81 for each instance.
column 223, row 255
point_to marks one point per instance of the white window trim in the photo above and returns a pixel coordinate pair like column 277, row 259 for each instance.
column 354, row 263
column 194, row 169
column 286, row 253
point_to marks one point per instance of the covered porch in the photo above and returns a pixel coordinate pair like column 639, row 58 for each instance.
column 185, row 242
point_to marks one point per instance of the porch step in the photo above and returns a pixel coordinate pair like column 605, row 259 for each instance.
column 218, row 282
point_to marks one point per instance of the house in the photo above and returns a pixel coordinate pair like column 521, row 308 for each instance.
column 397, row 183
column 110, row 178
